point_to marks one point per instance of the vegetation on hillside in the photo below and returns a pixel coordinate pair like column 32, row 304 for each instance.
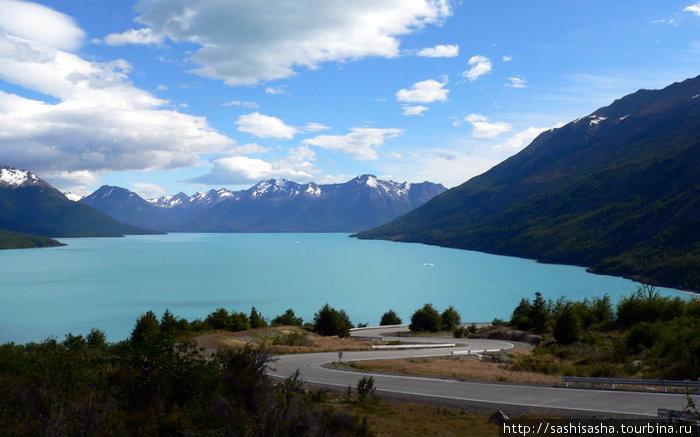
column 645, row 336
column 16, row 240
column 153, row 385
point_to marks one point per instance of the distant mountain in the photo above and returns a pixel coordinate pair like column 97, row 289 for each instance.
column 275, row 205
column 30, row 205
column 618, row 191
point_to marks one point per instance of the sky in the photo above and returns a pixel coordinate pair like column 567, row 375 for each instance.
column 163, row 96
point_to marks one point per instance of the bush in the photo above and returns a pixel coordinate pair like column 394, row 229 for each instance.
column 366, row 388
column 426, row 319
column 288, row 319
column 390, row 318
column 450, row 319
column 329, row 321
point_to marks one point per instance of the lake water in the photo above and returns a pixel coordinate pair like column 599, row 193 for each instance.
column 107, row 283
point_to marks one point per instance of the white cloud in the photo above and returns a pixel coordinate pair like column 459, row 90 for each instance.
column 242, row 104
column 693, row 8
column 440, row 51
column 41, row 24
column 96, row 120
column 315, row 127
column 148, row 191
column 521, row 139
column 265, row 126
column 414, row 110
column 507, row 58
column 246, row 42
column 480, row 65
column 426, row 91
column 360, row 143
column 245, row 149
column 482, row 128
column 79, row 182
column 277, row 90
column 516, row 82
column 143, row 36
column 297, row 166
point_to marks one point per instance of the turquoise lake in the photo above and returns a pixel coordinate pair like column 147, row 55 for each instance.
column 107, row 283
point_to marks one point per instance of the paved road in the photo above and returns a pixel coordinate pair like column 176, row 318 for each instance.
column 575, row 401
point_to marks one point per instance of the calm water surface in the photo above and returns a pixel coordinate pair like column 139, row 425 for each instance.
column 108, row 282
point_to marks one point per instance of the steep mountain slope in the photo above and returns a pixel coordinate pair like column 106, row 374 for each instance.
column 270, row 206
column 618, row 191
column 30, row 205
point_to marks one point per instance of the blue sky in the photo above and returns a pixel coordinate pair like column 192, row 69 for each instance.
column 161, row 96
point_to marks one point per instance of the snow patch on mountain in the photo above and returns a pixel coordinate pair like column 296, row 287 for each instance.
column 15, row 177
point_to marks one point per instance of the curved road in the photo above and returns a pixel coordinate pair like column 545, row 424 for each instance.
column 582, row 402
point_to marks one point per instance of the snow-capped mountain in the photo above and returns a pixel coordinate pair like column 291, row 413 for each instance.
column 274, row 205
column 31, row 205
column 14, row 177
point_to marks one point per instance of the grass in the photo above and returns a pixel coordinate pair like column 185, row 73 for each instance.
column 454, row 367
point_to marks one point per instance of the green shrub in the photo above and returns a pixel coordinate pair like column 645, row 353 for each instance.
column 329, row 321
column 390, row 318
column 426, row 319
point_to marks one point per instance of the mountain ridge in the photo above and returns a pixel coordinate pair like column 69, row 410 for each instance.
column 272, row 205
column 617, row 191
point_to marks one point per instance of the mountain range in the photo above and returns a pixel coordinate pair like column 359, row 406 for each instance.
column 617, row 191
column 274, row 205
column 30, row 205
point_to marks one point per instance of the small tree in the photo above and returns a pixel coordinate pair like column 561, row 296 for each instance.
column 567, row 328
column 366, row 388
column 146, row 330
column 288, row 319
column 450, row 319
column 426, row 319
column 329, row 321
column 390, row 318
column 96, row 338
column 256, row 319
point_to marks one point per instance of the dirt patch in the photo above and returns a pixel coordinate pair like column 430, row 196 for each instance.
column 279, row 340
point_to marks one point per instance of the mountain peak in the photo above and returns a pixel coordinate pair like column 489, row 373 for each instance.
column 15, row 177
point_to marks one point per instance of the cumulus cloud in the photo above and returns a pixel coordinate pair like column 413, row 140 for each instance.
column 480, row 65
column 414, row 110
column 483, row 128
column 148, row 191
column 360, row 143
column 440, row 51
column 507, row 58
column 143, row 36
column 41, row 24
column 693, row 8
column 265, row 126
column 242, row 43
column 95, row 120
column 516, row 82
column 426, row 91
column 276, row 90
column 297, row 166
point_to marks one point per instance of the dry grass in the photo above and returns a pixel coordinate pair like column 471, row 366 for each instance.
column 305, row 341
column 454, row 367
column 407, row 419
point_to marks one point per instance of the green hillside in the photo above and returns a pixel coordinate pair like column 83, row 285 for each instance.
column 617, row 191
column 15, row 240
